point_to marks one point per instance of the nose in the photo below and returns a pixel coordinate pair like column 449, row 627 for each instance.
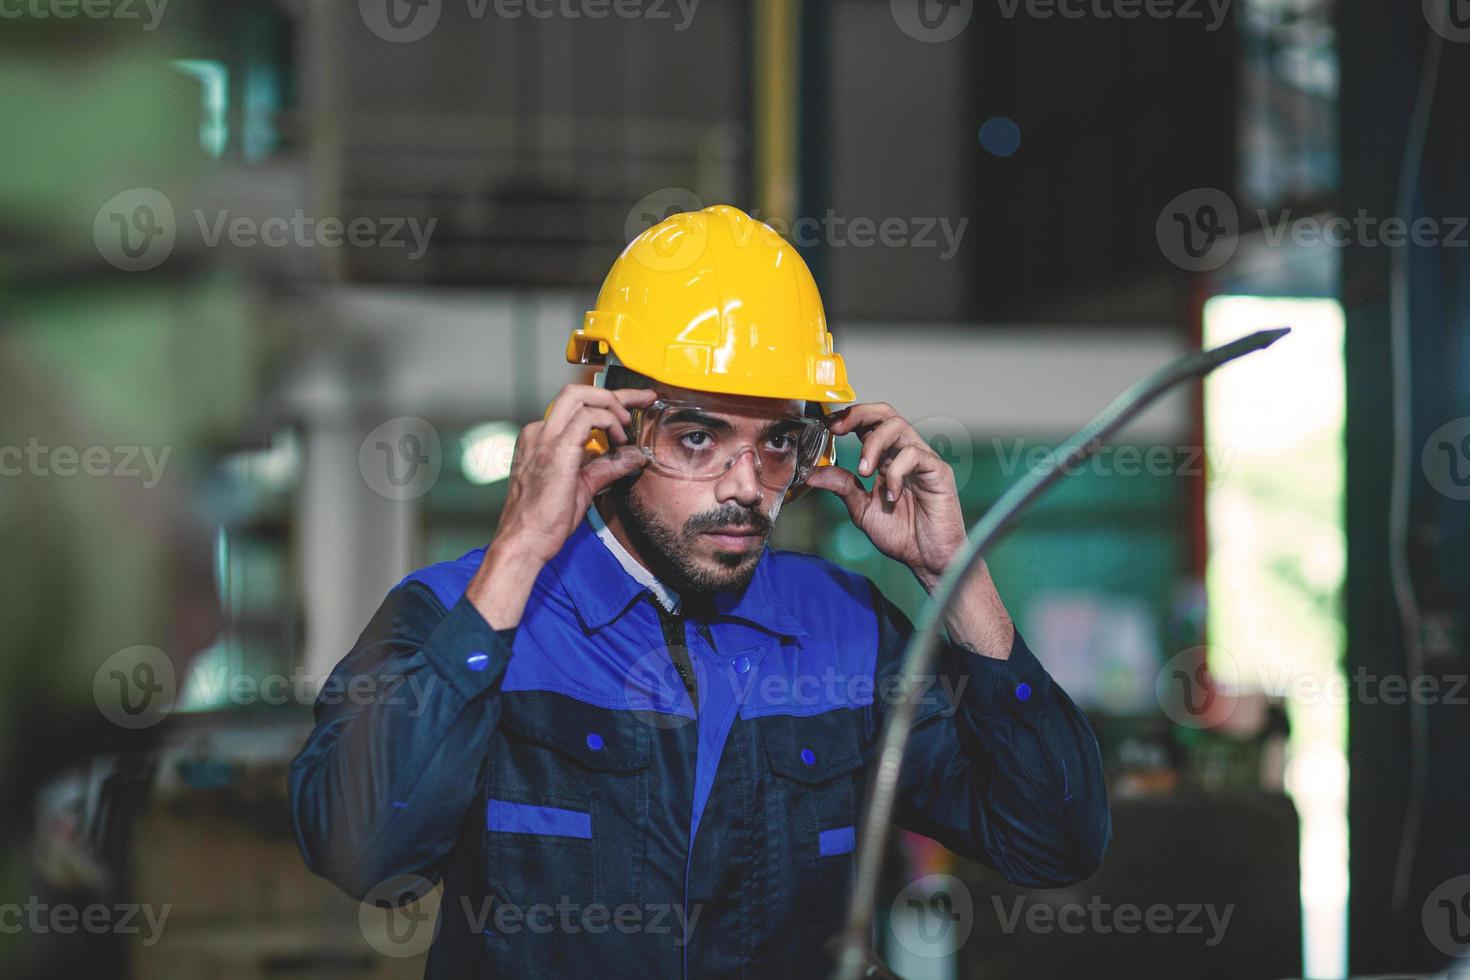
column 740, row 483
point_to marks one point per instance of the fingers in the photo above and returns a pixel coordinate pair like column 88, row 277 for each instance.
column 605, row 470
column 573, row 397
column 585, row 419
column 844, row 484
column 855, row 418
column 884, row 441
column 910, row 459
column 635, row 397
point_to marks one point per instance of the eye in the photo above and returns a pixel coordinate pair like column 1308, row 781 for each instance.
column 697, row 439
column 781, row 442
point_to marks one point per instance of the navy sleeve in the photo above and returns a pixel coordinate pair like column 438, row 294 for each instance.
column 1001, row 766
column 403, row 727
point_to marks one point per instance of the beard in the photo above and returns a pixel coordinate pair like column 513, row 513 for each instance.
column 670, row 550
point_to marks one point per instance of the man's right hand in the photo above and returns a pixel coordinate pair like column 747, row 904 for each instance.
column 552, row 484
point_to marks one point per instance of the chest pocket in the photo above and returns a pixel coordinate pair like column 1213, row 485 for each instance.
column 566, row 802
column 817, row 766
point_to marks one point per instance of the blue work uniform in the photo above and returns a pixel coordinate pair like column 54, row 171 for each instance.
column 592, row 811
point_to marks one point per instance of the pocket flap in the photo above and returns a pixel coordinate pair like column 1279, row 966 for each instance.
column 815, row 748
column 593, row 737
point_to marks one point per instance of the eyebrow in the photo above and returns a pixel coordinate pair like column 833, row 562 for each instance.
column 699, row 417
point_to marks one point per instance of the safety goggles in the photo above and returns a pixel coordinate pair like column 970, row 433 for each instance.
column 689, row 441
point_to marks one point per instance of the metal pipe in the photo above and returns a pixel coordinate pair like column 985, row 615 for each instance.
column 853, row 957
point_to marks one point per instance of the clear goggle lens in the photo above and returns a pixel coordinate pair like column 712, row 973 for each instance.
column 690, row 442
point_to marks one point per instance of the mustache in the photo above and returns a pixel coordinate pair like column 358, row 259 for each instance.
column 730, row 516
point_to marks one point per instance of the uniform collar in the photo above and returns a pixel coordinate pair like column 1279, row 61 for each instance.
column 602, row 590
column 666, row 596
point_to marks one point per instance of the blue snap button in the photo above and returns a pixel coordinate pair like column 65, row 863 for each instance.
column 1023, row 692
column 809, row 757
column 477, row 661
column 594, row 741
column 742, row 665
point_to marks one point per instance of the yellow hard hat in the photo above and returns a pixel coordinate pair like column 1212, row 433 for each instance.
column 717, row 301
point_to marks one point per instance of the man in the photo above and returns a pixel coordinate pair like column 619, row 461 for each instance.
column 629, row 738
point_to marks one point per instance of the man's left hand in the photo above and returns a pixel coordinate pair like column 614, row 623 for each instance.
column 912, row 513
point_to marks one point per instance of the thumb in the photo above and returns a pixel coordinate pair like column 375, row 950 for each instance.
column 844, row 484
column 606, row 469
